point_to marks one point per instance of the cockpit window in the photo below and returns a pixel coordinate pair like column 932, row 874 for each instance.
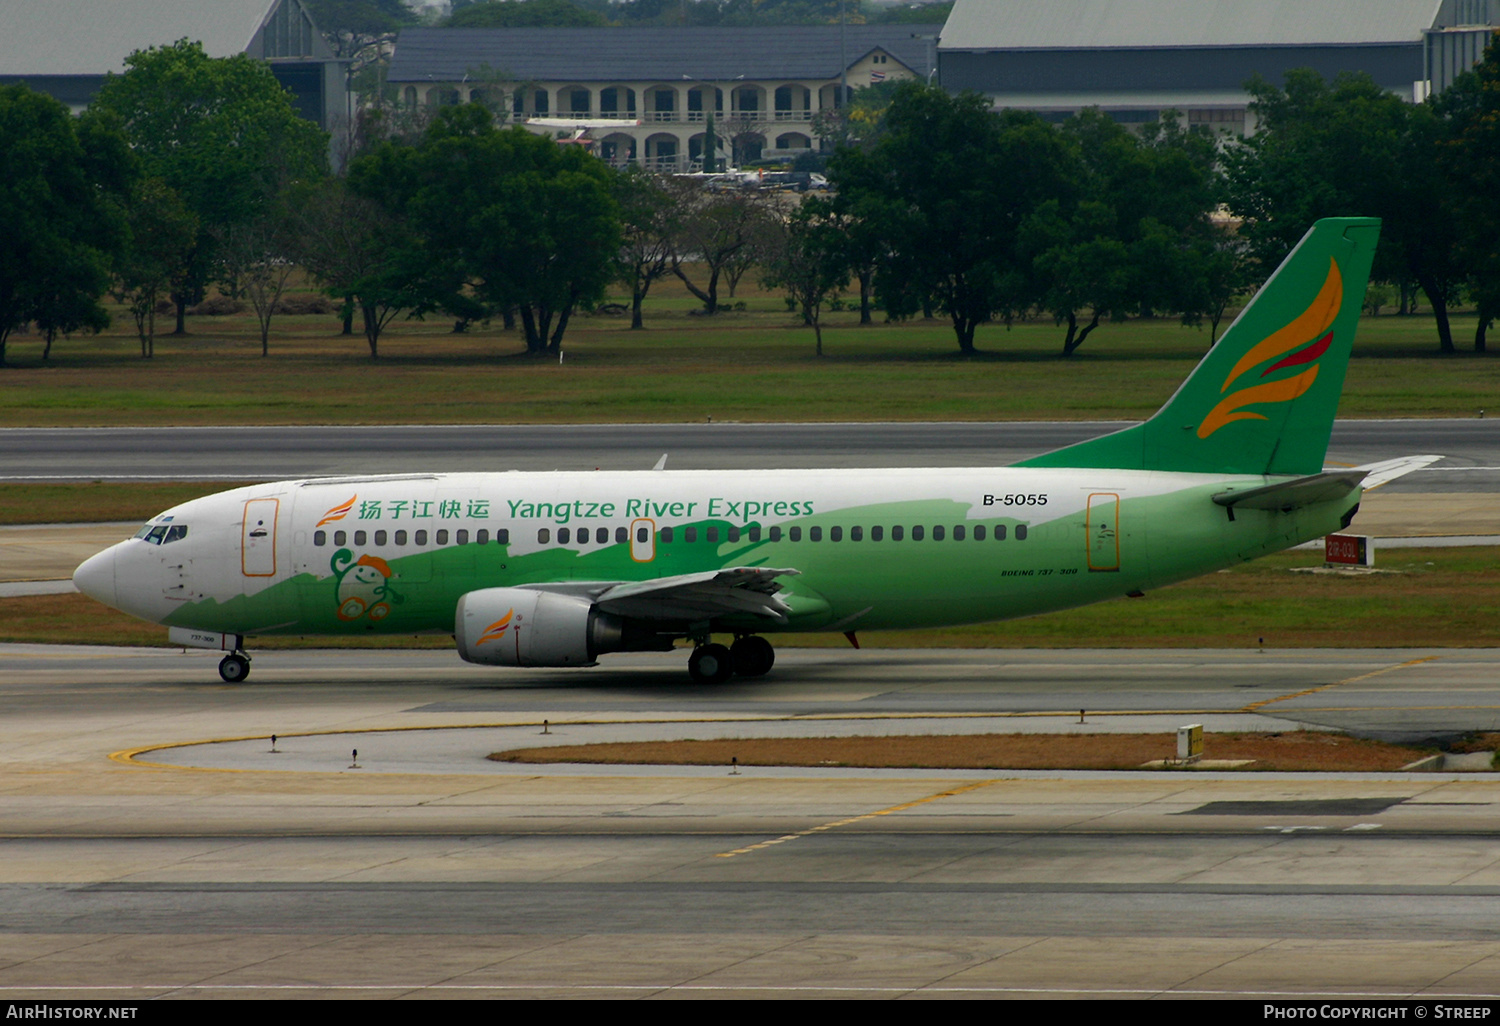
column 162, row 534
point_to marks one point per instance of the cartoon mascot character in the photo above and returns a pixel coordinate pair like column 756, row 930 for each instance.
column 363, row 586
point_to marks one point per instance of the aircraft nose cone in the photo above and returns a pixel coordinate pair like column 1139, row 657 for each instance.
column 95, row 577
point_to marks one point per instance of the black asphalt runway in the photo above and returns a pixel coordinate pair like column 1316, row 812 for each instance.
column 270, row 453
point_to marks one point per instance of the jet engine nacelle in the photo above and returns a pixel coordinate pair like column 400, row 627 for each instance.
column 522, row 627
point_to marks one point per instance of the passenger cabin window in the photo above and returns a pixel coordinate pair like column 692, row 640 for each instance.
column 794, row 534
column 379, row 537
column 713, row 534
column 958, row 532
column 320, row 538
column 622, row 534
column 776, row 534
column 502, row 536
column 482, row 536
column 897, row 533
column 937, row 533
column 690, row 534
column 1020, row 532
column 734, row 534
column 461, row 536
column 543, row 536
column 421, row 538
column 917, row 534
column 999, row 532
column 666, row 534
column 360, row 537
column 400, row 537
column 442, row 537
column 814, row 534
column 877, row 533
column 979, row 532
column 340, row 538
column 755, row 534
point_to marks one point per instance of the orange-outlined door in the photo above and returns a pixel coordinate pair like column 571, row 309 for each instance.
column 1103, row 525
column 258, row 538
column 643, row 540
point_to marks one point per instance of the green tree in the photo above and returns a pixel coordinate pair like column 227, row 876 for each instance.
column 810, row 260
column 947, row 189
column 363, row 253
column 161, row 233
column 255, row 259
column 713, row 230
column 1470, row 145
column 221, row 133
column 1136, row 236
column 648, row 227
column 61, row 198
column 359, row 31
column 524, row 222
column 1349, row 148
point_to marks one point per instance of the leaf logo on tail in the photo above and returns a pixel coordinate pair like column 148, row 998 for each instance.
column 496, row 630
column 338, row 512
column 1313, row 323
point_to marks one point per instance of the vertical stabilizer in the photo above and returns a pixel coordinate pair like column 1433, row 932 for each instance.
column 1263, row 399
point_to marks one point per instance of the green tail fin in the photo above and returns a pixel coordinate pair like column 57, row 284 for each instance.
column 1263, row 399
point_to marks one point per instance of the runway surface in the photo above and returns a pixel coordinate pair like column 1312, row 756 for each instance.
column 238, row 872
column 1472, row 448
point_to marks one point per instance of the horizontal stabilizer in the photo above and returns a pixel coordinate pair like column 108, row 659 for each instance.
column 1386, row 471
column 1290, row 495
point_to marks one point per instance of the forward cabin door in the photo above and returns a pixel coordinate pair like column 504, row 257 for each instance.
column 1104, row 532
column 258, row 538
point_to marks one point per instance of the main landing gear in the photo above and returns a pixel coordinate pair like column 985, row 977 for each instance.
column 750, row 656
column 234, row 667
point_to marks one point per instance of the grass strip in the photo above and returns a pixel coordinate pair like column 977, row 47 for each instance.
column 755, row 364
column 98, row 502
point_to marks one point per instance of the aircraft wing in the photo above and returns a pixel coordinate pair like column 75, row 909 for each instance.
column 692, row 597
column 1377, row 474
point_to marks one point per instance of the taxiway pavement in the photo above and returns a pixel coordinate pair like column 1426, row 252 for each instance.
column 225, row 870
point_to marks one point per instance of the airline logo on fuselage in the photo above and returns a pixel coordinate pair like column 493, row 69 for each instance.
column 1312, row 325
column 338, row 512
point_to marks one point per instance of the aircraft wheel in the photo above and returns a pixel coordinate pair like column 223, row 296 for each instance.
column 234, row 668
column 710, row 664
column 752, row 657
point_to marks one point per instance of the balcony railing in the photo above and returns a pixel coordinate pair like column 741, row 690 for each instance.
column 669, row 117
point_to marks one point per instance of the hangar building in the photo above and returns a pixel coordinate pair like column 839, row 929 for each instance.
column 1134, row 58
column 65, row 47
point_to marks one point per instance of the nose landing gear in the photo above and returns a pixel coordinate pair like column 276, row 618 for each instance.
column 234, row 667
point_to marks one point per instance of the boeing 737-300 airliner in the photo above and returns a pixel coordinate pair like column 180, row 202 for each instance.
column 557, row 569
